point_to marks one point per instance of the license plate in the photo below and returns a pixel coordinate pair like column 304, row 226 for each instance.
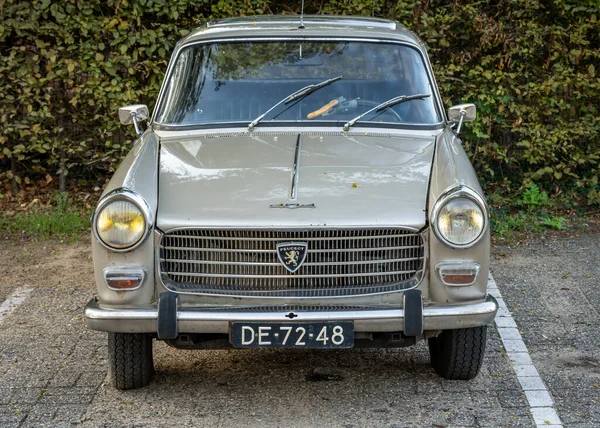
column 329, row 334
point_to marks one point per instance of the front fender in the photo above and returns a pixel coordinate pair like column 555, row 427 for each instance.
column 138, row 172
column 452, row 167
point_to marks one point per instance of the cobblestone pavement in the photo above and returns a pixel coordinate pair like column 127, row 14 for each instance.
column 53, row 369
column 551, row 286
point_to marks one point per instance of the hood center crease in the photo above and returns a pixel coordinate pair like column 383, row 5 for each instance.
column 295, row 172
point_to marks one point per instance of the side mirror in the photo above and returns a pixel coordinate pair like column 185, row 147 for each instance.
column 462, row 113
column 133, row 114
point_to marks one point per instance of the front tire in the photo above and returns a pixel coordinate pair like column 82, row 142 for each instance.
column 458, row 354
column 130, row 359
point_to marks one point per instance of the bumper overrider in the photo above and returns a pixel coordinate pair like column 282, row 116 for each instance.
column 169, row 318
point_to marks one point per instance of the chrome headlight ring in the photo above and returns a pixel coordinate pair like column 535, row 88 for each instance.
column 454, row 192
column 124, row 194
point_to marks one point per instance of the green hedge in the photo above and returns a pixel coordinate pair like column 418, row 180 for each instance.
column 532, row 67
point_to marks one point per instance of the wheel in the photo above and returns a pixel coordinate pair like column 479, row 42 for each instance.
column 458, row 354
column 130, row 359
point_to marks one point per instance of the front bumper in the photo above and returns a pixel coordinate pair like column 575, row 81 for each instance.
column 217, row 320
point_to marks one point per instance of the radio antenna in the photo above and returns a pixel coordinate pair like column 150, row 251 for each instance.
column 301, row 26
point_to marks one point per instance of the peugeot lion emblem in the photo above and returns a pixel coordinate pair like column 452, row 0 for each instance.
column 292, row 254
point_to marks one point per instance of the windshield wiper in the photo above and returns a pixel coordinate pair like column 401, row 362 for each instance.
column 384, row 106
column 300, row 93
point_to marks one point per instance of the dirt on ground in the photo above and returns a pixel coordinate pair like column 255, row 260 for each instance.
column 28, row 262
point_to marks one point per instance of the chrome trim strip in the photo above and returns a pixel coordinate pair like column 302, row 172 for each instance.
column 333, row 250
column 285, row 295
column 368, row 262
column 123, row 193
column 349, row 238
column 291, row 130
column 203, row 320
column 334, row 275
column 297, row 228
column 294, row 178
column 459, row 191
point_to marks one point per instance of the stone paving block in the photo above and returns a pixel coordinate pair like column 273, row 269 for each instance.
column 455, row 385
column 512, row 398
column 433, row 384
column 41, row 413
column 504, row 420
column 499, row 368
column 539, row 398
column 531, row 383
column 501, row 302
column 484, row 400
column 573, row 413
column 482, row 383
column 436, row 417
column 5, row 395
column 503, row 313
column 515, row 346
column 559, row 381
column 26, row 395
column 12, row 415
column 520, row 358
column 70, row 413
column 65, row 378
column 74, row 395
column 505, row 322
column 509, row 333
column 92, row 379
column 545, row 416
column 525, row 370
column 495, row 292
column 462, row 417
column 505, row 382
column 445, row 402
column 27, row 377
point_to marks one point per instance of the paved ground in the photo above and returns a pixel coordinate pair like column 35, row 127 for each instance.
column 53, row 370
column 552, row 287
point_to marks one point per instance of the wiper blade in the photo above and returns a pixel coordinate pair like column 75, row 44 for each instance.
column 384, row 106
column 300, row 93
column 310, row 89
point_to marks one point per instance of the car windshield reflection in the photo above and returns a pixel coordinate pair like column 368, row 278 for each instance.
column 237, row 82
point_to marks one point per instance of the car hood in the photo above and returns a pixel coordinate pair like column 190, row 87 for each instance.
column 352, row 180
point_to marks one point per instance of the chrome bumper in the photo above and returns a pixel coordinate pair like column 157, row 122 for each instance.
column 217, row 320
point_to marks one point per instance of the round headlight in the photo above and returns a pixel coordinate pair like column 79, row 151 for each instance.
column 120, row 224
column 460, row 218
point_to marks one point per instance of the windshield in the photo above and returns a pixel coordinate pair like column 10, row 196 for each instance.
column 239, row 81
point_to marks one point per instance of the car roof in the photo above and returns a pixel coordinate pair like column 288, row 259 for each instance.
column 314, row 26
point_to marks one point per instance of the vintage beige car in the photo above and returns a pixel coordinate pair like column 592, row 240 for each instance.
column 298, row 185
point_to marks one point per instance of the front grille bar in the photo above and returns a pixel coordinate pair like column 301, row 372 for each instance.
column 245, row 250
column 341, row 238
column 206, row 262
column 219, row 275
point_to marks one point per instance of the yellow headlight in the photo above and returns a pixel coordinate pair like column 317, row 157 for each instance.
column 120, row 224
column 460, row 221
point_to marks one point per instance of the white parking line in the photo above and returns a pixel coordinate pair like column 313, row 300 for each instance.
column 540, row 401
column 13, row 301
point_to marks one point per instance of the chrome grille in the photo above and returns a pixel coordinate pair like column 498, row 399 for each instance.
column 245, row 262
